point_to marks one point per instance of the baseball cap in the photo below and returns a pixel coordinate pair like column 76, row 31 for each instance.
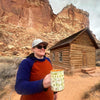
column 37, row 42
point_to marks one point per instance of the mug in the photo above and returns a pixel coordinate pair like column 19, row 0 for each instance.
column 57, row 80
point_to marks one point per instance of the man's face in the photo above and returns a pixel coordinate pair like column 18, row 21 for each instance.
column 39, row 50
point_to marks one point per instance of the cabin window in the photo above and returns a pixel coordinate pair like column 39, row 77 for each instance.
column 60, row 56
column 53, row 56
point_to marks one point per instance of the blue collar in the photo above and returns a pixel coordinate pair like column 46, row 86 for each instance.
column 36, row 59
column 31, row 56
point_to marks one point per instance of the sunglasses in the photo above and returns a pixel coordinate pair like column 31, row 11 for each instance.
column 40, row 47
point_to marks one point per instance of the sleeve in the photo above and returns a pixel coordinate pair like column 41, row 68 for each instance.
column 23, row 85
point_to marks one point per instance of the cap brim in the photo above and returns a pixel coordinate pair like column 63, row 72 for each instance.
column 45, row 43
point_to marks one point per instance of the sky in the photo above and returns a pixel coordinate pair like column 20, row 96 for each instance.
column 91, row 6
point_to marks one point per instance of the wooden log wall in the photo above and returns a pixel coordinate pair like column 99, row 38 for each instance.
column 82, row 52
column 65, row 57
column 83, row 39
column 82, row 56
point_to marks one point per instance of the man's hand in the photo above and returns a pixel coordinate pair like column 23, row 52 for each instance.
column 47, row 81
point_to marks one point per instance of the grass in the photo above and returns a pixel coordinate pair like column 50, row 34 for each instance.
column 2, row 94
column 8, row 70
column 96, row 88
column 86, row 95
column 98, row 63
column 93, row 90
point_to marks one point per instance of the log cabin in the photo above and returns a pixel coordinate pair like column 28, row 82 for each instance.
column 75, row 53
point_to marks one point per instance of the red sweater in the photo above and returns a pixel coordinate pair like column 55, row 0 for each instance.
column 38, row 71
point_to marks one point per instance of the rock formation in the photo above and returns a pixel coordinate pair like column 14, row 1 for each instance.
column 71, row 20
column 36, row 14
column 21, row 21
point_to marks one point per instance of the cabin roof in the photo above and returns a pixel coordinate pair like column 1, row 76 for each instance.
column 69, row 39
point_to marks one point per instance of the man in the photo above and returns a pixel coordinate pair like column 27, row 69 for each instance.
column 33, row 76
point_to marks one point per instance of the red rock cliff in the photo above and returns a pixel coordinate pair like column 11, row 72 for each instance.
column 27, row 13
column 71, row 20
column 38, row 14
column 23, row 20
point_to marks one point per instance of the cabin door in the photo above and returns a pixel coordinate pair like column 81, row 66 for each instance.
column 84, row 60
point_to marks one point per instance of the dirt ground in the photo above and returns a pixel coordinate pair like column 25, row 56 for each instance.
column 75, row 87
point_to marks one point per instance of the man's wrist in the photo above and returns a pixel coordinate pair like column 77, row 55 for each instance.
column 45, row 89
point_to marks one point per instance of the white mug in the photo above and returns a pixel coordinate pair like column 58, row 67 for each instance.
column 57, row 79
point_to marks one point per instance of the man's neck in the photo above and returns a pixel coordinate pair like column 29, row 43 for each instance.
column 38, row 57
